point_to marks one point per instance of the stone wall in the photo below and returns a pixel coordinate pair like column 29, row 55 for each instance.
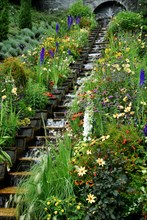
column 65, row 4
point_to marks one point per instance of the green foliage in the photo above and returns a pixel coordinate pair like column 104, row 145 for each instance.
column 79, row 9
column 18, row 71
column 8, row 122
column 35, row 95
column 27, row 32
column 4, row 19
column 25, row 20
column 125, row 21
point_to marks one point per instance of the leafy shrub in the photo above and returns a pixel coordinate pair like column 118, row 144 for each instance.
column 13, row 52
column 25, row 20
column 13, row 42
column 125, row 21
column 4, row 19
column 28, row 32
column 14, row 67
column 78, row 9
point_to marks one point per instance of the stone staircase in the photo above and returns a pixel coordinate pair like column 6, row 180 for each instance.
column 55, row 125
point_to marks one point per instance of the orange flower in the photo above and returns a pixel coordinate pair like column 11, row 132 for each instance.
column 90, row 183
column 78, row 182
column 76, row 115
column 81, row 123
column 49, row 94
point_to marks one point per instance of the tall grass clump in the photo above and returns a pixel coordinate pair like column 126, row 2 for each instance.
column 51, row 177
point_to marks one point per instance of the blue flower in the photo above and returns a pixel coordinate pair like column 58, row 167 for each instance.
column 69, row 21
column 145, row 130
column 51, row 53
column 42, row 53
column 142, row 77
column 57, row 46
column 77, row 20
column 69, row 52
column 57, row 28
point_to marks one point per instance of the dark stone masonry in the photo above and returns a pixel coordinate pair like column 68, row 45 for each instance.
column 94, row 4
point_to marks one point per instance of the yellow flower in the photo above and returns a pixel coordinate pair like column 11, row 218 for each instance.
column 81, row 171
column 55, row 212
column 62, row 210
column 125, row 98
column 91, row 198
column 107, row 50
column 102, row 60
column 48, row 203
column 78, row 207
column 14, row 91
column 143, row 103
column 127, row 49
column 100, row 162
column 4, row 97
column 127, row 109
column 29, row 109
column 105, row 137
column 118, row 54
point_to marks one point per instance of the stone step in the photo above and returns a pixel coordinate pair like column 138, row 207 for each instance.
column 8, row 212
column 29, row 159
column 10, row 190
column 59, row 115
column 37, row 147
column 20, row 174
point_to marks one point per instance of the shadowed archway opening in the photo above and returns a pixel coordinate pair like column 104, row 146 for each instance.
column 108, row 9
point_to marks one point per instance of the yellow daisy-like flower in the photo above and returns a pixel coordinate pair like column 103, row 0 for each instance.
column 91, row 198
column 100, row 162
column 127, row 109
column 81, row 171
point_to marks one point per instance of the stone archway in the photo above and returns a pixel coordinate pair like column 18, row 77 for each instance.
column 107, row 9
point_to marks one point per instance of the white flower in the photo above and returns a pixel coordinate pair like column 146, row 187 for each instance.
column 81, row 171
column 100, row 162
column 89, row 152
column 87, row 125
column 91, row 198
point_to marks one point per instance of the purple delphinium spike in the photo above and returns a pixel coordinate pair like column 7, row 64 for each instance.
column 69, row 52
column 78, row 20
column 69, row 21
column 57, row 46
column 145, row 130
column 57, row 28
column 42, row 53
column 142, row 77
column 51, row 53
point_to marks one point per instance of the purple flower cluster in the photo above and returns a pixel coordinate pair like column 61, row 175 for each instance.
column 145, row 130
column 142, row 77
column 42, row 53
